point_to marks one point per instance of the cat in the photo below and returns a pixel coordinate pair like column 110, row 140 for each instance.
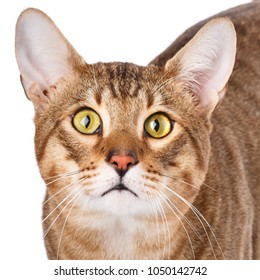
column 144, row 162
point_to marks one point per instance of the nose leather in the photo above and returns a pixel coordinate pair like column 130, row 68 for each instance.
column 122, row 162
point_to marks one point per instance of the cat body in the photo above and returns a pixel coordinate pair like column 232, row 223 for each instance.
column 150, row 171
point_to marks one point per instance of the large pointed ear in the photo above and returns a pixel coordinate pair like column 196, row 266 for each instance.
column 205, row 64
column 43, row 54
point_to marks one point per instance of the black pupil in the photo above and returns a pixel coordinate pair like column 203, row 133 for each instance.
column 86, row 121
column 156, row 125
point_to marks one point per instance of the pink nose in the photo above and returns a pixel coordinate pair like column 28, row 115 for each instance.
column 122, row 163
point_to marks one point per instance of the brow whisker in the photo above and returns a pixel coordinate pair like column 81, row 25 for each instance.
column 161, row 84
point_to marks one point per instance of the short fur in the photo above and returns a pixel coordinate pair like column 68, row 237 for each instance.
column 197, row 189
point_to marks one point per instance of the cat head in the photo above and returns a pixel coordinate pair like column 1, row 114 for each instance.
column 116, row 137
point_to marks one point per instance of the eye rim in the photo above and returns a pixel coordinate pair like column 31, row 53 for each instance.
column 171, row 121
column 98, row 131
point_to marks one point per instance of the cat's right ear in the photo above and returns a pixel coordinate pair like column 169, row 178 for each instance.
column 205, row 64
column 43, row 54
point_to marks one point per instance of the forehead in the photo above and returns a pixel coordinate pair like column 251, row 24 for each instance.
column 125, row 86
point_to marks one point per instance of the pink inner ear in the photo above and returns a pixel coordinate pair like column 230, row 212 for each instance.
column 202, row 87
column 42, row 52
column 207, row 61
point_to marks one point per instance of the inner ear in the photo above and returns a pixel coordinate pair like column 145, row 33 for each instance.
column 43, row 54
column 206, row 63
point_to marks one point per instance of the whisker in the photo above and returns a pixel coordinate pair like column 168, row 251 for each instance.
column 211, row 230
column 204, row 184
column 187, row 234
column 65, row 222
column 51, row 225
column 62, row 189
column 65, row 187
column 66, row 197
column 185, row 218
column 198, row 215
column 165, row 225
column 61, row 178
column 63, row 175
column 188, row 184
column 154, row 208
column 83, row 209
column 191, row 207
column 159, row 85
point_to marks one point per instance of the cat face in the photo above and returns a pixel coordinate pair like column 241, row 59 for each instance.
column 157, row 167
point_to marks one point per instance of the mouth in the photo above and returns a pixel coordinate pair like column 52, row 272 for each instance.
column 120, row 187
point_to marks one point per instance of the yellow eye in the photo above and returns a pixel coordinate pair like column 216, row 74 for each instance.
column 158, row 125
column 87, row 121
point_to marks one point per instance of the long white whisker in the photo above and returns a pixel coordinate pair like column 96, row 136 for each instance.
column 59, row 191
column 51, row 225
column 192, row 208
column 198, row 215
column 166, row 226
column 188, row 236
column 66, row 197
column 63, row 175
column 64, row 224
column 61, row 178
column 188, row 184
column 154, row 208
column 185, row 218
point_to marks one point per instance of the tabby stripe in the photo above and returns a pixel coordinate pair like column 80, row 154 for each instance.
column 42, row 145
column 175, row 150
column 98, row 97
column 150, row 100
column 198, row 151
column 111, row 75
column 66, row 140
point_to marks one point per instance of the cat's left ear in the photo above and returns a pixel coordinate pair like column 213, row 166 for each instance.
column 205, row 64
column 43, row 54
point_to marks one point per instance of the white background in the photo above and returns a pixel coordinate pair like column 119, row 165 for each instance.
column 131, row 30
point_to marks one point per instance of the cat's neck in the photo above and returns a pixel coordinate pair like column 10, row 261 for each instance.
column 127, row 237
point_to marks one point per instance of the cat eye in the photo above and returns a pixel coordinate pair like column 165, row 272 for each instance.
column 87, row 121
column 158, row 125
